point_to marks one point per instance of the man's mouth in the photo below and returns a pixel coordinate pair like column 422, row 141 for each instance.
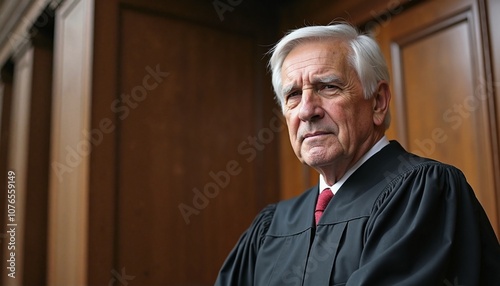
column 315, row 134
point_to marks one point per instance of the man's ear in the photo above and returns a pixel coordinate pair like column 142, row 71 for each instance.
column 381, row 100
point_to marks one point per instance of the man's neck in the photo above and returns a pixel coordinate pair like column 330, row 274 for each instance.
column 335, row 184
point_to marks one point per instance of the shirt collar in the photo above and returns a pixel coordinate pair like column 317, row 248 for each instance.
column 375, row 148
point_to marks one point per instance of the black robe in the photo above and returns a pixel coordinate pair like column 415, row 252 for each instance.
column 398, row 220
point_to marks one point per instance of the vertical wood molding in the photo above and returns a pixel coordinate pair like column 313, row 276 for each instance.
column 6, row 74
column 399, row 100
column 18, row 150
column 68, row 191
column 484, row 86
column 490, row 34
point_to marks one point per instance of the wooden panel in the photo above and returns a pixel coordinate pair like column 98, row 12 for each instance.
column 6, row 72
column 191, row 110
column 102, row 181
column 18, row 151
column 31, row 128
column 365, row 14
column 410, row 21
column 35, row 256
column 181, row 137
column 68, row 215
column 438, row 76
column 440, row 91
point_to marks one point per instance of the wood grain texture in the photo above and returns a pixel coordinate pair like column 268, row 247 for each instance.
column 69, row 177
column 191, row 108
column 35, row 256
column 440, row 90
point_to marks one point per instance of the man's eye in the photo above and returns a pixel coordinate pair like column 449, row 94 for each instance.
column 328, row 89
column 294, row 93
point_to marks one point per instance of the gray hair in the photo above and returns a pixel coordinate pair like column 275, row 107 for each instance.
column 365, row 57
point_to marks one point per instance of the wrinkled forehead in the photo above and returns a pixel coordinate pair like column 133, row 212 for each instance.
column 315, row 58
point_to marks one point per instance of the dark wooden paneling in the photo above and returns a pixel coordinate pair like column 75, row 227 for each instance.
column 6, row 73
column 438, row 70
column 203, row 121
column 441, row 82
column 102, row 182
column 367, row 15
column 173, row 137
column 102, row 205
column 36, row 211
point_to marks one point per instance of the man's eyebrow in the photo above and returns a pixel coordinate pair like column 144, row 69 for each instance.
column 316, row 79
column 326, row 79
column 287, row 88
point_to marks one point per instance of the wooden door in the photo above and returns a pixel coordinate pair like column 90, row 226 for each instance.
column 189, row 153
column 443, row 104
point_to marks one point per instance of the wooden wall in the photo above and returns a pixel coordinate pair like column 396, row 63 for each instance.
column 443, row 91
column 70, row 146
column 17, row 157
column 36, row 222
column 190, row 156
column 6, row 73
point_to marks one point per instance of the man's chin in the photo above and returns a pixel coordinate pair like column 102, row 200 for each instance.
column 316, row 163
column 317, row 156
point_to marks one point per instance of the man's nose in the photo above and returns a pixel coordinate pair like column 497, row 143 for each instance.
column 310, row 105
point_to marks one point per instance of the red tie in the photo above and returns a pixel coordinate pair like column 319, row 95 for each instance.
column 323, row 200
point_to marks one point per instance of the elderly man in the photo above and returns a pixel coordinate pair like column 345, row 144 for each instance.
column 380, row 215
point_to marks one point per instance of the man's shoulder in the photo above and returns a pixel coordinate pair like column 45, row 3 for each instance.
column 401, row 163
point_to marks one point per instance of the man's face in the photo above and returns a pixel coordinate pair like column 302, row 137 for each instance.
column 329, row 122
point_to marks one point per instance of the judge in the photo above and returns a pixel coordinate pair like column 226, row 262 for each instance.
column 379, row 215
